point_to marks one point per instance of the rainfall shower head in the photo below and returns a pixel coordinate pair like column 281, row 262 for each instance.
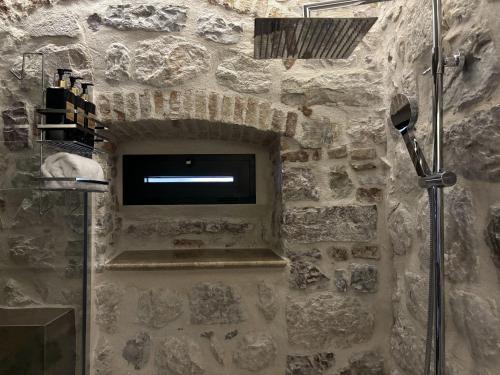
column 311, row 38
column 308, row 38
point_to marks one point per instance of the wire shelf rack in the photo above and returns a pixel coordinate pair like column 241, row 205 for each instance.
column 72, row 184
column 73, row 147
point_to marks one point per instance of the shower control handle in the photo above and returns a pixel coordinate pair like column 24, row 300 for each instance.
column 457, row 60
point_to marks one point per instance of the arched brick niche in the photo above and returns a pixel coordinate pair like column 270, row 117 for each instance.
column 193, row 122
column 182, row 107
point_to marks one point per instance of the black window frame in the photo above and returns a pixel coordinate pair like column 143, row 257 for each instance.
column 136, row 167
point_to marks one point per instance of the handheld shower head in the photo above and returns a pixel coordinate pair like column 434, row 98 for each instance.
column 404, row 115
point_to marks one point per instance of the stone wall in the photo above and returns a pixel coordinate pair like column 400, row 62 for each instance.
column 183, row 70
column 472, row 151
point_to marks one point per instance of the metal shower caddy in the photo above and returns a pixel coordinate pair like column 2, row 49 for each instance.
column 78, row 184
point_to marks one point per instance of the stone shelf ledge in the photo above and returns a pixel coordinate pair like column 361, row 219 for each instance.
column 154, row 260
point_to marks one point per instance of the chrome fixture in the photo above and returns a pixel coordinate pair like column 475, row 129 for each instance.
column 403, row 116
column 311, row 38
column 308, row 38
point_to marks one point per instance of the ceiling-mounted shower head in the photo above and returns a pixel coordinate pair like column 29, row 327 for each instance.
column 311, row 38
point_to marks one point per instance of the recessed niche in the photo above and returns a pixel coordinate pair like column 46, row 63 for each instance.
column 194, row 196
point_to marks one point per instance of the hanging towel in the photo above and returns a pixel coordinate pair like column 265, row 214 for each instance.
column 64, row 164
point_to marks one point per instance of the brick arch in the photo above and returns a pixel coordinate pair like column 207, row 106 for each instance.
column 174, row 113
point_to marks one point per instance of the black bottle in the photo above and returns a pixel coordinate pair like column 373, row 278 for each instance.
column 56, row 98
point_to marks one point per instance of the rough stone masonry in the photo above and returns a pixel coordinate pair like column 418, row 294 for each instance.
column 347, row 212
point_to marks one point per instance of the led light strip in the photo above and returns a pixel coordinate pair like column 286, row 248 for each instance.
column 187, row 179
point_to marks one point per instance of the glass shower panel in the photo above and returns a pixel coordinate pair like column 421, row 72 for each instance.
column 41, row 257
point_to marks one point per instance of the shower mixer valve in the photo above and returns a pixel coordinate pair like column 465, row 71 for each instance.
column 457, row 60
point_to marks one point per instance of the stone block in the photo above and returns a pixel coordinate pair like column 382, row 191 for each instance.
column 165, row 18
column 131, row 106
column 338, row 253
column 117, row 62
column 107, row 300
column 169, row 61
column 370, row 131
column 103, row 107
column 291, row 124
column 306, row 275
column 477, row 320
column 158, row 307
column 363, row 154
column 367, row 363
column 16, row 294
column 336, row 223
column 363, row 166
column 240, row 107
column 299, row 183
column 339, row 152
column 158, row 103
column 227, row 109
column 417, row 290
column 408, row 346
column 103, row 357
column 341, row 280
column 278, row 121
column 255, row 351
column 492, row 235
column 15, row 138
column 218, row 29
column 317, row 320
column 53, row 24
column 479, row 134
column 366, row 252
column 214, row 103
column 400, row 228
column 178, row 356
column 118, row 107
column 317, row 132
column 138, row 350
column 364, row 277
column 243, row 74
column 214, row 303
column 369, row 195
column 461, row 256
column 201, row 105
column 265, row 113
column 251, row 114
column 340, row 182
column 338, row 88
column 313, row 364
column 295, row 156
column 216, row 347
column 145, row 104
column 267, row 301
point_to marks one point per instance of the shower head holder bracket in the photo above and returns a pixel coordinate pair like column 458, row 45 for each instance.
column 439, row 180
